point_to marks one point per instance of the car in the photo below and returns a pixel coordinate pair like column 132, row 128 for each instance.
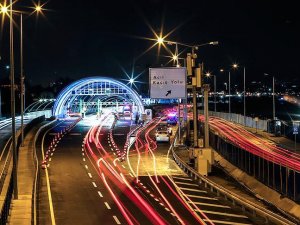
column 163, row 126
column 162, row 136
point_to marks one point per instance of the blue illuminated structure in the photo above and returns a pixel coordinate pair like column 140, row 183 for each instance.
column 89, row 91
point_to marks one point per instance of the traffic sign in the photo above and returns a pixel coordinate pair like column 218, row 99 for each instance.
column 295, row 130
column 167, row 82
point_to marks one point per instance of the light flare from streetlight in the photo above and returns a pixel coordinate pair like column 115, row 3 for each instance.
column 235, row 65
column 4, row 9
column 160, row 40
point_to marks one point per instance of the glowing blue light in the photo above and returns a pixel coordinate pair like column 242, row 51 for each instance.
column 59, row 108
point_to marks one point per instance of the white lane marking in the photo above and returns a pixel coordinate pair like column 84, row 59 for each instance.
column 83, row 154
column 107, row 205
column 188, row 184
column 90, row 175
column 86, row 167
column 83, row 159
column 123, row 166
column 48, row 182
column 194, row 190
column 220, row 213
column 75, row 134
column 167, row 209
column 94, row 184
column 225, row 222
column 117, row 220
column 202, row 197
column 207, row 204
column 182, row 178
column 100, row 194
column 50, row 160
column 131, row 174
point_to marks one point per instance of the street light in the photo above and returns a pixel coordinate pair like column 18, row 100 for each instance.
column 273, row 94
column 208, row 74
column 9, row 11
column 234, row 66
column 160, row 40
column 4, row 9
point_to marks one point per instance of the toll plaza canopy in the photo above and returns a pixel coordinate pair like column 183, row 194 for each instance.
column 89, row 94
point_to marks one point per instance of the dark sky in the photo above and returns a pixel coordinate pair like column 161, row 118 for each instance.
column 93, row 37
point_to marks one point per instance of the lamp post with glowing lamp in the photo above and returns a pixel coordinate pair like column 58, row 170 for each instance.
column 234, row 66
column 208, row 74
column 9, row 11
column 193, row 48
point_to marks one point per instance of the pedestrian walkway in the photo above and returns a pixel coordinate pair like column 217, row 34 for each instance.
column 21, row 208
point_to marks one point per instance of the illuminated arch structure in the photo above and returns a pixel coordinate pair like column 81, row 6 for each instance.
column 90, row 91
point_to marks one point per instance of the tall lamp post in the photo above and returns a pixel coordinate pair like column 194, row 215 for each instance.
column 234, row 66
column 12, row 99
column 244, row 91
column 273, row 95
column 193, row 48
column 215, row 89
column 9, row 11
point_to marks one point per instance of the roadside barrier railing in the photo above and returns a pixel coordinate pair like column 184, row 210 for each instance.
column 244, row 204
column 34, row 215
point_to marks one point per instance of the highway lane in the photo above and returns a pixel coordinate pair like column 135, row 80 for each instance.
column 182, row 195
column 77, row 195
column 262, row 147
column 94, row 176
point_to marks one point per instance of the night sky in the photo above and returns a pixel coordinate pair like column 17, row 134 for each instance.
column 92, row 37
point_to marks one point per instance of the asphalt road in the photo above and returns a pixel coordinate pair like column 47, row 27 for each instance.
column 92, row 178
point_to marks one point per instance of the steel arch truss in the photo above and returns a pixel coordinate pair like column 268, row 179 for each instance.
column 90, row 90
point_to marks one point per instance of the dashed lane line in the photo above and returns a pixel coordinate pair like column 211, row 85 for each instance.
column 194, row 190
column 107, row 205
column 90, row 175
column 223, row 214
column 225, row 222
column 94, row 184
column 117, row 220
column 183, row 178
column 202, row 197
column 188, row 184
column 86, row 167
column 100, row 194
column 214, row 205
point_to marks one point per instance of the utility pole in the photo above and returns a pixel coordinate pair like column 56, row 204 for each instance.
column 12, row 107
column 215, row 92
column 244, row 96
column 22, row 81
column 274, row 116
column 206, row 117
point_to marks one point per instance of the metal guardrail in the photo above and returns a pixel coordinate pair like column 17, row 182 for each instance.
column 236, row 200
column 37, row 174
column 5, row 209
